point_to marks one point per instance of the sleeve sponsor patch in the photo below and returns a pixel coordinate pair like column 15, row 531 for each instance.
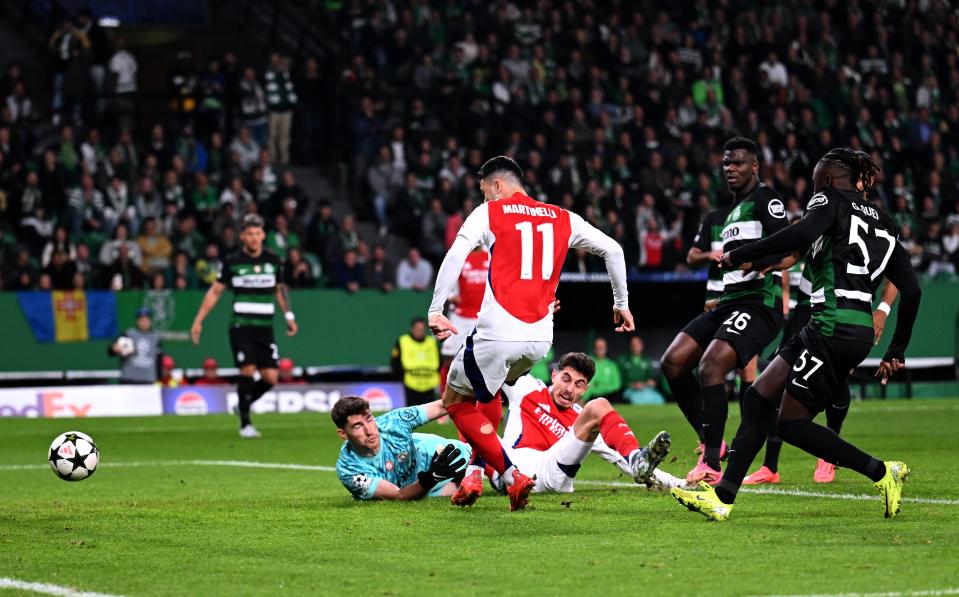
column 818, row 200
column 409, row 414
column 776, row 208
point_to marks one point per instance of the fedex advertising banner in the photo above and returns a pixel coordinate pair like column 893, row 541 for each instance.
column 81, row 401
column 283, row 398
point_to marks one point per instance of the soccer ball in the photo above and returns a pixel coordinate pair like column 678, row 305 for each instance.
column 125, row 346
column 74, row 456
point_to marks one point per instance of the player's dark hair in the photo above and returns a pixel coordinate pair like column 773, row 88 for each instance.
column 346, row 407
column 251, row 221
column 579, row 362
column 860, row 165
column 741, row 143
column 499, row 165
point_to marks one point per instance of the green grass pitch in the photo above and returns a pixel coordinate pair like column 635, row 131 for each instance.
column 148, row 523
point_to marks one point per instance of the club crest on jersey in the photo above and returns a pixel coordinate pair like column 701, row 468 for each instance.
column 388, row 466
column 256, row 269
column 776, row 208
column 818, row 200
column 268, row 268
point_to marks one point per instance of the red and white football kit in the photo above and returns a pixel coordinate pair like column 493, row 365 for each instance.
column 472, row 286
column 539, row 437
column 528, row 241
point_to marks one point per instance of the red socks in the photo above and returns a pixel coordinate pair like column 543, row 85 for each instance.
column 480, row 434
column 492, row 410
column 617, row 434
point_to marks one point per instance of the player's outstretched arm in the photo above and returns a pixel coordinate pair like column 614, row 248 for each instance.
column 434, row 410
column 209, row 301
column 468, row 238
column 791, row 238
column 899, row 271
column 586, row 236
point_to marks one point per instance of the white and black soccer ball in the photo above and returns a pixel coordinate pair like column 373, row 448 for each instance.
column 125, row 346
column 74, row 456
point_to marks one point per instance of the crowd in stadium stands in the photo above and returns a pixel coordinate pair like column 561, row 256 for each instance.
column 617, row 110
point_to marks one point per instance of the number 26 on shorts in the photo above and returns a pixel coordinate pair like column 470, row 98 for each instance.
column 737, row 320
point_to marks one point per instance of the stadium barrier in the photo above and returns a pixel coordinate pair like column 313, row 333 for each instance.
column 339, row 329
column 152, row 400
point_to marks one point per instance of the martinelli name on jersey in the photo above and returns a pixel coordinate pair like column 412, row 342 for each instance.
column 526, row 210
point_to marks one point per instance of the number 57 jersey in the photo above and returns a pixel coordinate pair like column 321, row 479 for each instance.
column 848, row 262
column 528, row 242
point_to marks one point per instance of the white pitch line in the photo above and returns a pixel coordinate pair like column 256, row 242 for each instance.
column 331, row 469
column 927, row 593
column 234, row 463
column 47, row 589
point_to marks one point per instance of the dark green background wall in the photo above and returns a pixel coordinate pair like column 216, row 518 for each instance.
column 341, row 329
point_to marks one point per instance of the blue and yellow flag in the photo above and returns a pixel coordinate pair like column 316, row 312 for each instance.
column 70, row 315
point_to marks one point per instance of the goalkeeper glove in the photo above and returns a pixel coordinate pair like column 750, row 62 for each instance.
column 444, row 466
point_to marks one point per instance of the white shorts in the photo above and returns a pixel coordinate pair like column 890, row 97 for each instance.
column 481, row 367
column 569, row 451
column 452, row 344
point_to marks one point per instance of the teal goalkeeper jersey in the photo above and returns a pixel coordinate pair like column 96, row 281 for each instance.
column 403, row 454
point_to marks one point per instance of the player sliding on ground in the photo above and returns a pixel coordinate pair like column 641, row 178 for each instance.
column 549, row 434
column 853, row 246
column 528, row 242
column 382, row 459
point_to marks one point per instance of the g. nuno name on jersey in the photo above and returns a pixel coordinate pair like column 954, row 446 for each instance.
column 528, row 241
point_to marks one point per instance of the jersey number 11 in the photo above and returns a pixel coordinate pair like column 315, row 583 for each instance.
column 526, row 250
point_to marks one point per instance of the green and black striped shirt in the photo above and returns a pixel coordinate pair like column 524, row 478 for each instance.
column 758, row 215
column 710, row 238
column 253, row 281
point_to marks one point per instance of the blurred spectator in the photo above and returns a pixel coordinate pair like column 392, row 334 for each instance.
column 247, row 148
column 297, row 272
column 59, row 242
column 61, row 270
column 123, row 273
column 349, row 274
column 123, row 71
column 414, row 272
column 155, row 247
column 434, row 232
column 166, row 378
column 110, row 250
column 380, row 271
column 253, row 109
column 281, row 100
column 210, row 375
column 607, row 382
column 281, row 239
column 286, row 372
column 640, row 378
column 384, row 178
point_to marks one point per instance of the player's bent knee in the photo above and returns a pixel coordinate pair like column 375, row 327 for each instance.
column 269, row 376
column 597, row 407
